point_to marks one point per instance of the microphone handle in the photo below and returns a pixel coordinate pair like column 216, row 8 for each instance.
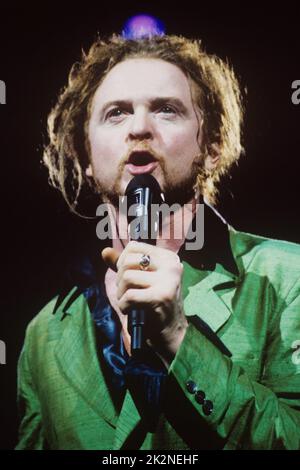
column 136, row 322
column 143, row 197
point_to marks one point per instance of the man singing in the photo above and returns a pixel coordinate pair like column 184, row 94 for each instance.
column 220, row 367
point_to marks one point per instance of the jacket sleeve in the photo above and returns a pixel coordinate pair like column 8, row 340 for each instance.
column 240, row 413
column 31, row 434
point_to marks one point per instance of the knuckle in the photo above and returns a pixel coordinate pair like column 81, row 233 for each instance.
column 127, row 276
column 119, row 262
column 167, row 295
column 126, row 265
column 132, row 244
column 128, row 296
column 128, row 261
column 168, row 298
column 180, row 268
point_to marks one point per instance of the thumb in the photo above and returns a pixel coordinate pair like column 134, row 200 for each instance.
column 110, row 257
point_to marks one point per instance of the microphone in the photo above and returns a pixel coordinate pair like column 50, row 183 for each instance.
column 143, row 223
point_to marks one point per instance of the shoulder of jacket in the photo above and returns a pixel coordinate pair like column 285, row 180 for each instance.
column 51, row 312
column 257, row 244
column 278, row 260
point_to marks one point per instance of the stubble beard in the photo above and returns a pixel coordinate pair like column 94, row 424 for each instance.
column 180, row 192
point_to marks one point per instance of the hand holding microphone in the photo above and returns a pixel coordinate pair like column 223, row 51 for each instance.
column 151, row 297
column 142, row 193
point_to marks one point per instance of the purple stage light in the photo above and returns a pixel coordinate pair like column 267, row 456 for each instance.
column 142, row 26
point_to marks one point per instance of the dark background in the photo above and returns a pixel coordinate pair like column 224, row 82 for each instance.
column 37, row 48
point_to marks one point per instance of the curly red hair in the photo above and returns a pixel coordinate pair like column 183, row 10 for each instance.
column 218, row 97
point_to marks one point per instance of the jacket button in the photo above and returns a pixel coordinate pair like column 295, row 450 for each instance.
column 207, row 407
column 191, row 386
column 200, row 397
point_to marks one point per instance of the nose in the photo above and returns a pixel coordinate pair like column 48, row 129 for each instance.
column 141, row 127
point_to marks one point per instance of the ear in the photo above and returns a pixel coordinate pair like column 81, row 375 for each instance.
column 213, row 157
column 89, row 171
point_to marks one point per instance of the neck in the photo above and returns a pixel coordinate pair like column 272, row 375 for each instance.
column 172, row 232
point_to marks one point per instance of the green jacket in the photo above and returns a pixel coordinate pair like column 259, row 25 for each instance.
column 255, row 392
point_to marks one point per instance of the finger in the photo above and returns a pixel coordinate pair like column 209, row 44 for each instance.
column 135, row 298
column 110, row 257
column 145, row 249
column 138, row 248
column 142, row 248
column 133, row 279
column 131, row 261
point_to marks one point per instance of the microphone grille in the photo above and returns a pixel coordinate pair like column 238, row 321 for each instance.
column 143, row 181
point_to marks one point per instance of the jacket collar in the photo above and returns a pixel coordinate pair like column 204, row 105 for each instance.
column 212, row 273
column 216, row 247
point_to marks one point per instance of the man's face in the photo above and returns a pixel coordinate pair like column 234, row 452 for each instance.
column 143, row 120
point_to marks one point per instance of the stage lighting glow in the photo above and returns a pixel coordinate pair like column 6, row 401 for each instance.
column 142, row 26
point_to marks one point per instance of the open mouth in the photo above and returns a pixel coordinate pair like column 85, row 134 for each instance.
column 141, row 162
column 141, row 158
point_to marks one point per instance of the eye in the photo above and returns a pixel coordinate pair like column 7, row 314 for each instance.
column 166, row 109
column 114, row 113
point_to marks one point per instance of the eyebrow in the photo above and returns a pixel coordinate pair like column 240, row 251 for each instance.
column 159, row 101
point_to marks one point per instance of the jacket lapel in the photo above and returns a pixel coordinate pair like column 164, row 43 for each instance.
column 211, row 273
column 128, row 421
column 77, row 358
column 211, row 297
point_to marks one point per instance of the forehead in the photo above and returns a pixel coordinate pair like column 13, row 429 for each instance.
column 143, row 78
